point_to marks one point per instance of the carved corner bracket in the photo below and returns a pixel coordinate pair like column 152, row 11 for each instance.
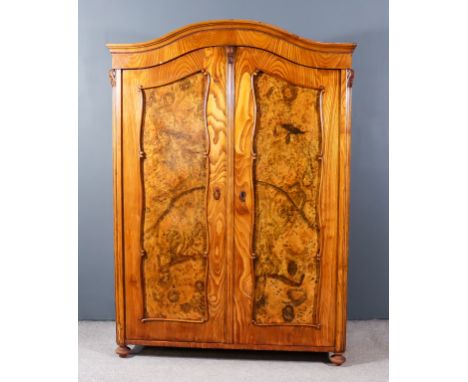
column 112, row 77
column 350, row 78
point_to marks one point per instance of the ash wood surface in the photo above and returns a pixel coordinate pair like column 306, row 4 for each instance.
column 116, row 82
column 230, row 52
column 248, row 61
column 346, row 81
column 232, row 33
column 233, row 346
column 231, row 189
column 172, row 320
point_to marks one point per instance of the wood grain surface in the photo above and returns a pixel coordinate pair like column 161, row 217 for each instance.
column 232, row 33
column 183, row 221
column 118, row 207
column 174, row 174
column 286, row 242
column 319, row 331
column 231, row 148
column 346, row 81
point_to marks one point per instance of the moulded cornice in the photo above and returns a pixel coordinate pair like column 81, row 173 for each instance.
column 232, row 33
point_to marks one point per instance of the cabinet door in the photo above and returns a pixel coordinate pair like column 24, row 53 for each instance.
column 174, row 199
column 286, row 186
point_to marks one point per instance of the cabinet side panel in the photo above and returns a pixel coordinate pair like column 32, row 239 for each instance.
column 346, row 80
column 116, row 82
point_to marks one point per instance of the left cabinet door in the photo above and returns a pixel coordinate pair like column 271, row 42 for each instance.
column 174, row 179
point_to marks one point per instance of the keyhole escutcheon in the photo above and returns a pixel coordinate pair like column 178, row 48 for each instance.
column 242, row 196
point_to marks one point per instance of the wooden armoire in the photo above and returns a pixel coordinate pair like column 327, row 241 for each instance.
column 231, row 144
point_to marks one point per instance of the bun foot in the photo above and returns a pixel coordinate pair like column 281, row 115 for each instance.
column 122, row 351
column 337, row 358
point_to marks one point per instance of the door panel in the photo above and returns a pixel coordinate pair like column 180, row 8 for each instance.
column 174, row 133
column 286, row 173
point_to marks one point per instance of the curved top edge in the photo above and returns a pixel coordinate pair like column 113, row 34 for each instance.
column 235, row 25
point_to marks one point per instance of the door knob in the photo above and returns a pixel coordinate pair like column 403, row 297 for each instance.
column 242, row 196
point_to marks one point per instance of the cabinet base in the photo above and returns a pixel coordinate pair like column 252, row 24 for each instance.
column 335, row 358
column 231, row 346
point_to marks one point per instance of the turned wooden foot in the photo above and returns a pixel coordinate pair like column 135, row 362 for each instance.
column 337, row 358
column 122, row 351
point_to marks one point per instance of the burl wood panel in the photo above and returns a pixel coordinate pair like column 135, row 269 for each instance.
column 287, row 173
column 174, row 224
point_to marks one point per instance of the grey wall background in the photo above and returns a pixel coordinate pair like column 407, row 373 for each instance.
column 120, row 21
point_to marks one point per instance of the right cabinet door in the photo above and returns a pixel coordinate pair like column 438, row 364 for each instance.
column 287, row 119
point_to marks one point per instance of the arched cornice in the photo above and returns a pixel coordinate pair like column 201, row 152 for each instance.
column 232, row 33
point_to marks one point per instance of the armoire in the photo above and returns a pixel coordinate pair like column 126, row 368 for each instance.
column 231, row 161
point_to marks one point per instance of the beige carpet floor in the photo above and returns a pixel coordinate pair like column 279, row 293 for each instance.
column 367, row 360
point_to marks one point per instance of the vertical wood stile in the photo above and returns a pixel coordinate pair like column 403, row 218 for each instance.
column 116, row 81
column 215, row 62
column 346, row 78
column 230, row 99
